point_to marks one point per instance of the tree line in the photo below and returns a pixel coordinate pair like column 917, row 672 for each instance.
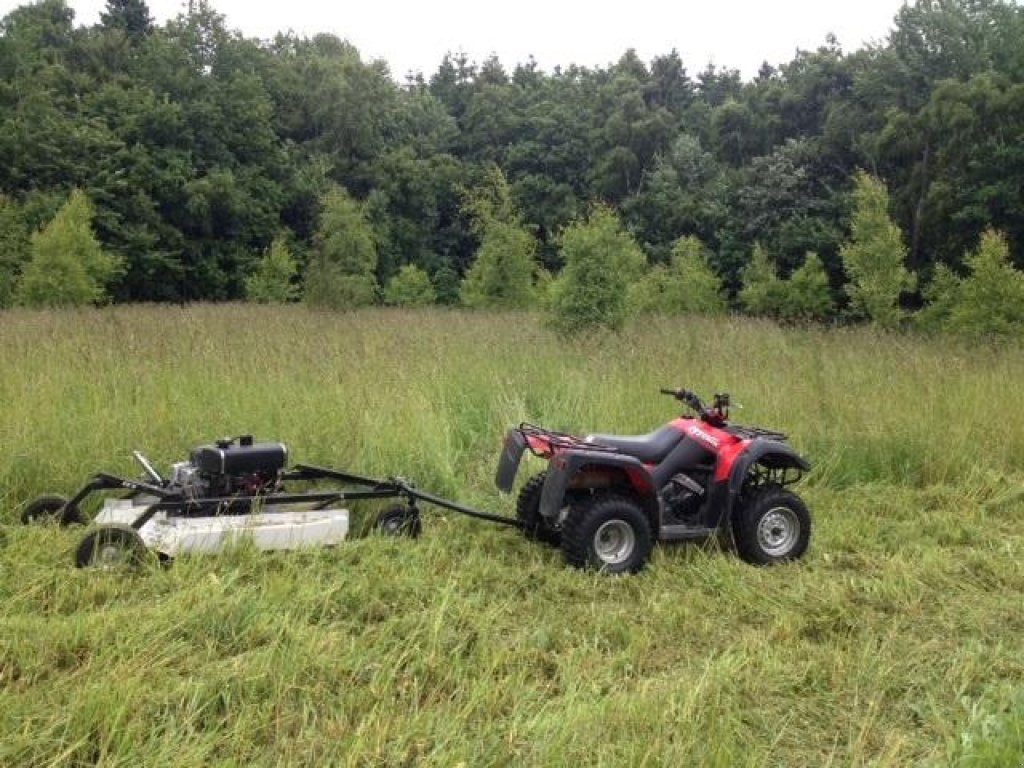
column 209, row 165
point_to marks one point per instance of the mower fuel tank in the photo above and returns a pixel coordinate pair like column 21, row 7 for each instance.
column 230, row 459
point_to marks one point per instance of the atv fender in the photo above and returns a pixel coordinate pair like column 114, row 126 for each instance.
column 772, row 454
column 511, row 454
column 564, row 466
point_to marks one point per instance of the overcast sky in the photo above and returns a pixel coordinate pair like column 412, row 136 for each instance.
column 414, row 35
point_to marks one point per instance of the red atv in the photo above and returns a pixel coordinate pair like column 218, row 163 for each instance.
column 605, row 499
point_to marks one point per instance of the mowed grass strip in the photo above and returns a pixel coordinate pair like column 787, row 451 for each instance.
column 897, row 641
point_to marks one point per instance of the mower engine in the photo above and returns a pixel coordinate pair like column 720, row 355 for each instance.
column 226, row 469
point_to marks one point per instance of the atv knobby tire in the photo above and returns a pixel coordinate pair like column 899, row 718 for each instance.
column 51, row 509
column 773, row 526
column 610, row 534
column 535, row 526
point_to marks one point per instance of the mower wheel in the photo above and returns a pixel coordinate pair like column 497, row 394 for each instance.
column 773, row 526
column 110, row 546
column 611, row 534
column 399, row 520
column 535, row 527
column 51, row 509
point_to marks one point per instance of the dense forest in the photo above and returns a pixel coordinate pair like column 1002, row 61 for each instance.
column 198, row 147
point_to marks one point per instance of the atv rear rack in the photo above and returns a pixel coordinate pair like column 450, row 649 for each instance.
column 561, row 440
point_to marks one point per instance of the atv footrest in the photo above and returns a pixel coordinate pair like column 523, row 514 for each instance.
column 685, row 532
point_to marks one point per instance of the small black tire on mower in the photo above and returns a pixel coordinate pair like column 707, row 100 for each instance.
column 399, row 520
column 773, row 526
column 611, row 534
column 51, row 509
column 535, row 527
column 110, row 546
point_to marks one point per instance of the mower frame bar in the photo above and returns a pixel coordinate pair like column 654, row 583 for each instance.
column 175, row 502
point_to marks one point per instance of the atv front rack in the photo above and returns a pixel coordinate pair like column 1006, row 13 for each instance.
column 751, row 433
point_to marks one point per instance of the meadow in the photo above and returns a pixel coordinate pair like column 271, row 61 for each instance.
column 898, row 640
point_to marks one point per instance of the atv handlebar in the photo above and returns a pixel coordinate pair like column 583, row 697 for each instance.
column 718, row 413
column 686, row 396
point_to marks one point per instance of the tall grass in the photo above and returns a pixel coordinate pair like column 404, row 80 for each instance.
column 898, row 639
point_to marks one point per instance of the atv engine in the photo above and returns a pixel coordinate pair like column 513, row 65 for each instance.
column 682, row 496
column 225, row 469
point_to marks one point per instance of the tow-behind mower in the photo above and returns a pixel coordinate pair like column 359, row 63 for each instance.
column 225, row 491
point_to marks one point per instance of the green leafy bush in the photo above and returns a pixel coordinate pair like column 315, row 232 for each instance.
column 687, row 285
column 762, row 290
column 411, row 287
column 806, row 294
column 601, row 262
column 990, row 300
column 941, row 296
column 273, row 281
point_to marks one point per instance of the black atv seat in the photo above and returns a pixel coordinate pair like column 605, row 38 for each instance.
column 650, row 449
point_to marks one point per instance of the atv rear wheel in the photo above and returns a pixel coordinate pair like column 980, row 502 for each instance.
column 399, row 520
column 110, row 546
column 535, row 526
column 51, row 509
column 773, row 526
column 611, row 534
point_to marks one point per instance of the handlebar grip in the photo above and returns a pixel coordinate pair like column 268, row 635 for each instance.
column 685, row 396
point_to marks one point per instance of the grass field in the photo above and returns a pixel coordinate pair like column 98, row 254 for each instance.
column 898, row 641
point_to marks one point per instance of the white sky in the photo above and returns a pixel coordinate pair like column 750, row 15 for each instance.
column 413, row 35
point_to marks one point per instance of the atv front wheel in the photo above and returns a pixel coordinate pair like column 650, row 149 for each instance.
column 399, row 520
column 535, row 526
column 51, row 509
column 110, row 546
column 773, row 526
column 612, row 535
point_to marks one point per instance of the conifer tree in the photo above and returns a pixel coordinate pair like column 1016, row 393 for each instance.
column 762, row 290
column 67, row 267
column 273, row 281
column 341, row 270
column 502, row 273
column 874, row 257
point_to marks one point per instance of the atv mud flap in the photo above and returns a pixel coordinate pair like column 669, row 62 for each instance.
column 269, row 529
column 508, row 464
